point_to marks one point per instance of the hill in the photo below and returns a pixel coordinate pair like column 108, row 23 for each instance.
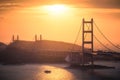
column 2, row 46
column 36, row 52
column 44, row 45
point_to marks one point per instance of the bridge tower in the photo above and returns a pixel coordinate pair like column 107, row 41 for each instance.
column 40, row 37
column 35, row 37
column 17, row 37
column 13, row 38
column 89, row 42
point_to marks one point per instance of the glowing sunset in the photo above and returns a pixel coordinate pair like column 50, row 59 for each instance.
column 62, row 18
column 56, row 18
column 55, row 33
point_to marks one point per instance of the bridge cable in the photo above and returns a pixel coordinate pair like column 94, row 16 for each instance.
column 86, row 34
column 77, row 36
column 103, row 44
column 100, row 41
column 106, row 37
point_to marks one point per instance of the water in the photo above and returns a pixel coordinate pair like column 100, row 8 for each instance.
column 58, row 72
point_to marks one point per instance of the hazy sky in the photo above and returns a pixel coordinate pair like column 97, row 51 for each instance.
column 29, row 17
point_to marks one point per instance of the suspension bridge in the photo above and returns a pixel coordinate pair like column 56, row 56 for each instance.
column 86, row 55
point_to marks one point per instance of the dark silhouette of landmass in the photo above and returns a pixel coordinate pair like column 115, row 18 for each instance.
column 2, row 46
column 43, row 51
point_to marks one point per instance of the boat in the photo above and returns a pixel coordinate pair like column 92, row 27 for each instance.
column 47, row 71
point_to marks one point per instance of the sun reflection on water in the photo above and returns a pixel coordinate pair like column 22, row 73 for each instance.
column 56, row 74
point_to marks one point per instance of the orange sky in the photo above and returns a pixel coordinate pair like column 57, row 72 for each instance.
column 28, row 17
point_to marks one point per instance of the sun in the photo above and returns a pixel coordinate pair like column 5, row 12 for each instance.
column 56, row 9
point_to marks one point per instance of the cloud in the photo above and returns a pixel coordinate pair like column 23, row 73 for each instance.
column 105, row 3
column 85, row 3
column 6, row 5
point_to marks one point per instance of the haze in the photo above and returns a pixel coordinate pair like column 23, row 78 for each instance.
column 57, row 20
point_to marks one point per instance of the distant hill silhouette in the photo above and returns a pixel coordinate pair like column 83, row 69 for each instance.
column 2, row 46
column 36, row 52
column 44, row 45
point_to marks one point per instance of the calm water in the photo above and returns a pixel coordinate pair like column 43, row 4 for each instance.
column 58, row 72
